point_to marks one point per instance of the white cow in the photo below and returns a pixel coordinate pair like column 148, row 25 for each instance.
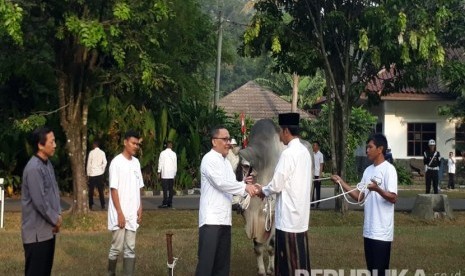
column 262, row 155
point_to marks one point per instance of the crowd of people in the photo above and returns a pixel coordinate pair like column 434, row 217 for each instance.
column 294, row 184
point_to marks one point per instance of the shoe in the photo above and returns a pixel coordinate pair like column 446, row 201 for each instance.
column 163, row 206
column 312, row 205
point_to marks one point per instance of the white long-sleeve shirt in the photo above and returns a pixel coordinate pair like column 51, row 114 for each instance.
column 218, row 185
column 291, row 182
column 451, row 165
column 167, row 164
column 96, row 162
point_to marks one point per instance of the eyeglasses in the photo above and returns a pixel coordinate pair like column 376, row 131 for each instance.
column 225, row 139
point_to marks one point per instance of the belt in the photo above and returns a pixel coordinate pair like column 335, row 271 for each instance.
column 433, row 168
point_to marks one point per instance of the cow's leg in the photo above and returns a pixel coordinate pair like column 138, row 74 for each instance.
column 259, row 250
column 270, row 249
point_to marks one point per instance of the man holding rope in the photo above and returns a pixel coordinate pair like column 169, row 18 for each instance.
column 379, row 195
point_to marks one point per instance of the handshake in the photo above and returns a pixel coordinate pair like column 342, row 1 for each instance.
column 253, row 189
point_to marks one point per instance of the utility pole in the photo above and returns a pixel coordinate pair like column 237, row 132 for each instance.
column 216, row 97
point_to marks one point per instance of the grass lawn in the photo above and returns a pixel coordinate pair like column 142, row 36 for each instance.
column 335, row 243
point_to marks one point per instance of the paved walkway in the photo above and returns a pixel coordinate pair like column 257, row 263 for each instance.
column 191, row 202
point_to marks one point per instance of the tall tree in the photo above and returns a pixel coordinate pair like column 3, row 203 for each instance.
column 90, row 45
column 351, row 41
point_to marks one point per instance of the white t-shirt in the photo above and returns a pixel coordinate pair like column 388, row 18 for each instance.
column 291, row 182
column 319, row 159
column 126, row 177
column 451, row 165
column 167, row 164
column 218, row 184
column 379, row 213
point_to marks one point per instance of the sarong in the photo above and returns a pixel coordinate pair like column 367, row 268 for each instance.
column 291, row 254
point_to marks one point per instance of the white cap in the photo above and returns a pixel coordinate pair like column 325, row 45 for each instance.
column 431, row 143
column 233, row 141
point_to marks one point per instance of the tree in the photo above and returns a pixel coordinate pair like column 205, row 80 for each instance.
column 352, row 41
column 90, row 45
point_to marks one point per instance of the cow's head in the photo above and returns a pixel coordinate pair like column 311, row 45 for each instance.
column 263, row 151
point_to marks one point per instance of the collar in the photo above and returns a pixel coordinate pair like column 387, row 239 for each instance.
column 217, row 153
column 43, row 160
column 294, row 140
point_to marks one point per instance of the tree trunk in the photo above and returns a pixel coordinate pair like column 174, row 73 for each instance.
column 73, row 119
column 295, row 91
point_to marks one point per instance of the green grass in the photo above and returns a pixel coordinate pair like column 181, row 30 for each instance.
column 335, row 243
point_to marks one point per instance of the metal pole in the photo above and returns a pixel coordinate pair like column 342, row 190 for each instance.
column 218, row 59
column 2, row 198
column 169, row 249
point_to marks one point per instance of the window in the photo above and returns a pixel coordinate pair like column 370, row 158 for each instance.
column 418, row 135
column 459, row 139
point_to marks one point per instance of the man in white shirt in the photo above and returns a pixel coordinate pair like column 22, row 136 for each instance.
column 291, row 183
column 96, row 164
column 451, row 170
column 380, row 197
column 125, row 206
column 167, row 168
column 317, row 172
column 218, row 185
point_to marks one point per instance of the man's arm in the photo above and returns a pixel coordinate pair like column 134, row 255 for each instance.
column 353, row 194
column 116, row 203
column 139, row 211
column 391, row 197
column 104, row 161
column 89, row 162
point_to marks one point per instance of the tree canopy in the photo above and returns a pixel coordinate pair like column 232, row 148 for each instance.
column 353, row 42
column 103, row 67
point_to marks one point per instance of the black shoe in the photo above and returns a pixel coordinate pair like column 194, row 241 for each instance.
column 103, row 208
column 163, row 206
column 312, row 205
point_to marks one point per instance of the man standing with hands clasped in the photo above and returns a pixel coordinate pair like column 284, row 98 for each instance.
column 218, row 185
column 40, row 205
column 167, row 167
column 125, row 206
column 317, row 171
column 292, row 181
column 431, row 160
column 380, row 197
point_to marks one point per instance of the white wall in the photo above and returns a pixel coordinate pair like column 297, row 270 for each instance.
column 399, row 113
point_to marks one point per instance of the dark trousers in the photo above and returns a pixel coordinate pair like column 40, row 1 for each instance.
column 96, row 181
column 291, row 253
column 431, row 176
column 451, row 183
column 214, row 252
column 167, row 185
column 377, row 255
column 316, row 189
column 39, row 257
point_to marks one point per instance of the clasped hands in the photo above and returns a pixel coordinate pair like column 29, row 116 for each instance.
column 253, row 189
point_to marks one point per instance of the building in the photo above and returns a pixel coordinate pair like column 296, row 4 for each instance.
column 257, row 103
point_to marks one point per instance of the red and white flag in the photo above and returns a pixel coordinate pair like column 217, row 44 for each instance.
column 243, row 131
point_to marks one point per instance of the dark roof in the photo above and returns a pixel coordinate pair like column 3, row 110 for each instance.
column 257, row 103
column 435, row 90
